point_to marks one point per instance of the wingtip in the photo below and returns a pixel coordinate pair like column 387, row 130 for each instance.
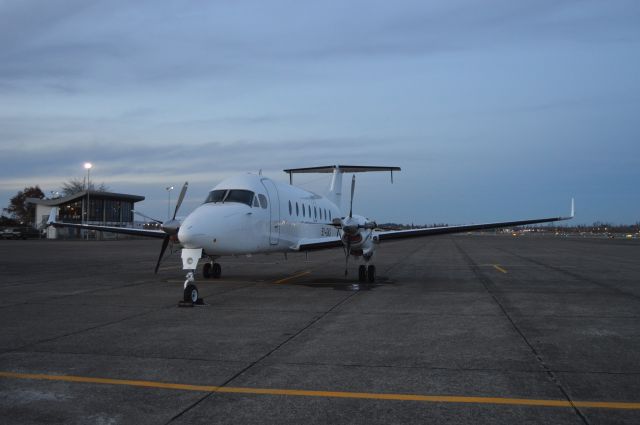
column 573, row 208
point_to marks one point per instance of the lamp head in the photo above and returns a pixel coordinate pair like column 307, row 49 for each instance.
column 88, row 165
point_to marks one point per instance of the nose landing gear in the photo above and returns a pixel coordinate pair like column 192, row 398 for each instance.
column 190, row 295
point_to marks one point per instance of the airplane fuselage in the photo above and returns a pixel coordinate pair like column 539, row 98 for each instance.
column 252, row 214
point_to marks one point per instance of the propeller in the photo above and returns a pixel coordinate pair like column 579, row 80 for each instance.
column 353, row 188
column 347, row 251
column 172, row 226
column 146, row 216
column 348, row 228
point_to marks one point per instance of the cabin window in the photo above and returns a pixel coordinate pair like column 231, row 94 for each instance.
column 304, row 214
column 309, row 210
column 255, row 202
column 297, row 210
column 290, row 209
column 315, row 213
column 263, row 200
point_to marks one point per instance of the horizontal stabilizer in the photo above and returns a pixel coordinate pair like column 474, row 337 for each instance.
column 338, row 170
column 341, row 168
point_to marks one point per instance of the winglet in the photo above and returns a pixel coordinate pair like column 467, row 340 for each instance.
column 52, row 216
column 573, row 208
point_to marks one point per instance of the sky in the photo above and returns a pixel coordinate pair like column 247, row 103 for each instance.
column 494, row 109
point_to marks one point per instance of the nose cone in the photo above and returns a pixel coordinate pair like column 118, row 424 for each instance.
column 215, row 228
column 192, row 232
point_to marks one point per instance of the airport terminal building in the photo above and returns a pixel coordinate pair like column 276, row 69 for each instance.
column 104, row 208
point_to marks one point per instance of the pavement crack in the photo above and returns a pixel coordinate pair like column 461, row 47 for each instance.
column 488, row 283
column 263, row 357
column 574, row 275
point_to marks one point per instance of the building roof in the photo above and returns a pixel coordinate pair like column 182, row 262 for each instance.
column 93, row 194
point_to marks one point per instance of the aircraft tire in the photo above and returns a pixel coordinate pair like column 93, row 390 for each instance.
column 191, row 294
column 371, row 273
column 216, row 271
column 206, row 270
column 362, row 273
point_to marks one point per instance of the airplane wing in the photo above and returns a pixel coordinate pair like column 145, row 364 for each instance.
column 124, row 230
column 311, row 244
column 432, row 231
column 335, row 242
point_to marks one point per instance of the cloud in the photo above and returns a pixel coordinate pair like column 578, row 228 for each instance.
column 461, row 90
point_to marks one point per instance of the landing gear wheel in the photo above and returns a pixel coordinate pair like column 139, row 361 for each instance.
column 191, row 294
column 362, row 273
column 371, row 273
column 206, row 270
column 216, row 271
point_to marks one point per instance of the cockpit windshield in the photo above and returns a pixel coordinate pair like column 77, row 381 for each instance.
column 230, row 195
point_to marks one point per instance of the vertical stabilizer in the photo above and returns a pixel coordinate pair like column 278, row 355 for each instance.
column 335, row 190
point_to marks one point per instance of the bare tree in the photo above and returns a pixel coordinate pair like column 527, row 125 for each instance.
column 78, row 185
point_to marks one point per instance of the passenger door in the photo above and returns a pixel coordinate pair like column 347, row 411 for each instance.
column 274, row 211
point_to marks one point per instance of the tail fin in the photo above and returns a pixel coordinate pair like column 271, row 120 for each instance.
column 335, row 190
column 52, row 216
column 573, row 208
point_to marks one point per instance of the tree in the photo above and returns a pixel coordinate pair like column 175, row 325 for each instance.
column 18, row 207
column 74, row 186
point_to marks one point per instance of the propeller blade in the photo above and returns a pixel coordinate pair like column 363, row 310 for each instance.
column 165, row 242
column 180, row 198
column 146, row 216
column 353, row 187
column 346, row 258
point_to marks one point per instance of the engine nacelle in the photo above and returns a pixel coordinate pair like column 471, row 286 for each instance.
column 358, row 235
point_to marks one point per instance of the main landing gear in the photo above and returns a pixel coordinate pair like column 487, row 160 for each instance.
column 211, row 270
column 367, row 273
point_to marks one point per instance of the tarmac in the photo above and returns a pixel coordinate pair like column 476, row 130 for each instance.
column 461, row 329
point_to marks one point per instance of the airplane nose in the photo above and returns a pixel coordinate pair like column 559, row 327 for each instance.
column 218, row 229
column 190, row 234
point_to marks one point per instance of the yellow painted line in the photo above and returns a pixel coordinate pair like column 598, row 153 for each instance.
column 500, row 269
column 286, row 279
column 328, row 394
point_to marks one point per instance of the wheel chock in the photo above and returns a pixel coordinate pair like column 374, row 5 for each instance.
column 199, row 302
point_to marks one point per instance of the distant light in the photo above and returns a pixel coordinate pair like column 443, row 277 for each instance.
column 88, row 165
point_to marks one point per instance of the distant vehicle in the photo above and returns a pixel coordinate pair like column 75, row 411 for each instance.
column 19, row 233
column 10, row 233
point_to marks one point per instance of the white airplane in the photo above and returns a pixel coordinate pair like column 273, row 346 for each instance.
column 253, row 214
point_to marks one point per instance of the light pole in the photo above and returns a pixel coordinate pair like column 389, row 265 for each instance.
column 87, row 166
column 169, row 189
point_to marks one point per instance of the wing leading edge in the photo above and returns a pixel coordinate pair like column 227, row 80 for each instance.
column 123, row 230
column 415, row 233
column 319, row 243
column 335, row 242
